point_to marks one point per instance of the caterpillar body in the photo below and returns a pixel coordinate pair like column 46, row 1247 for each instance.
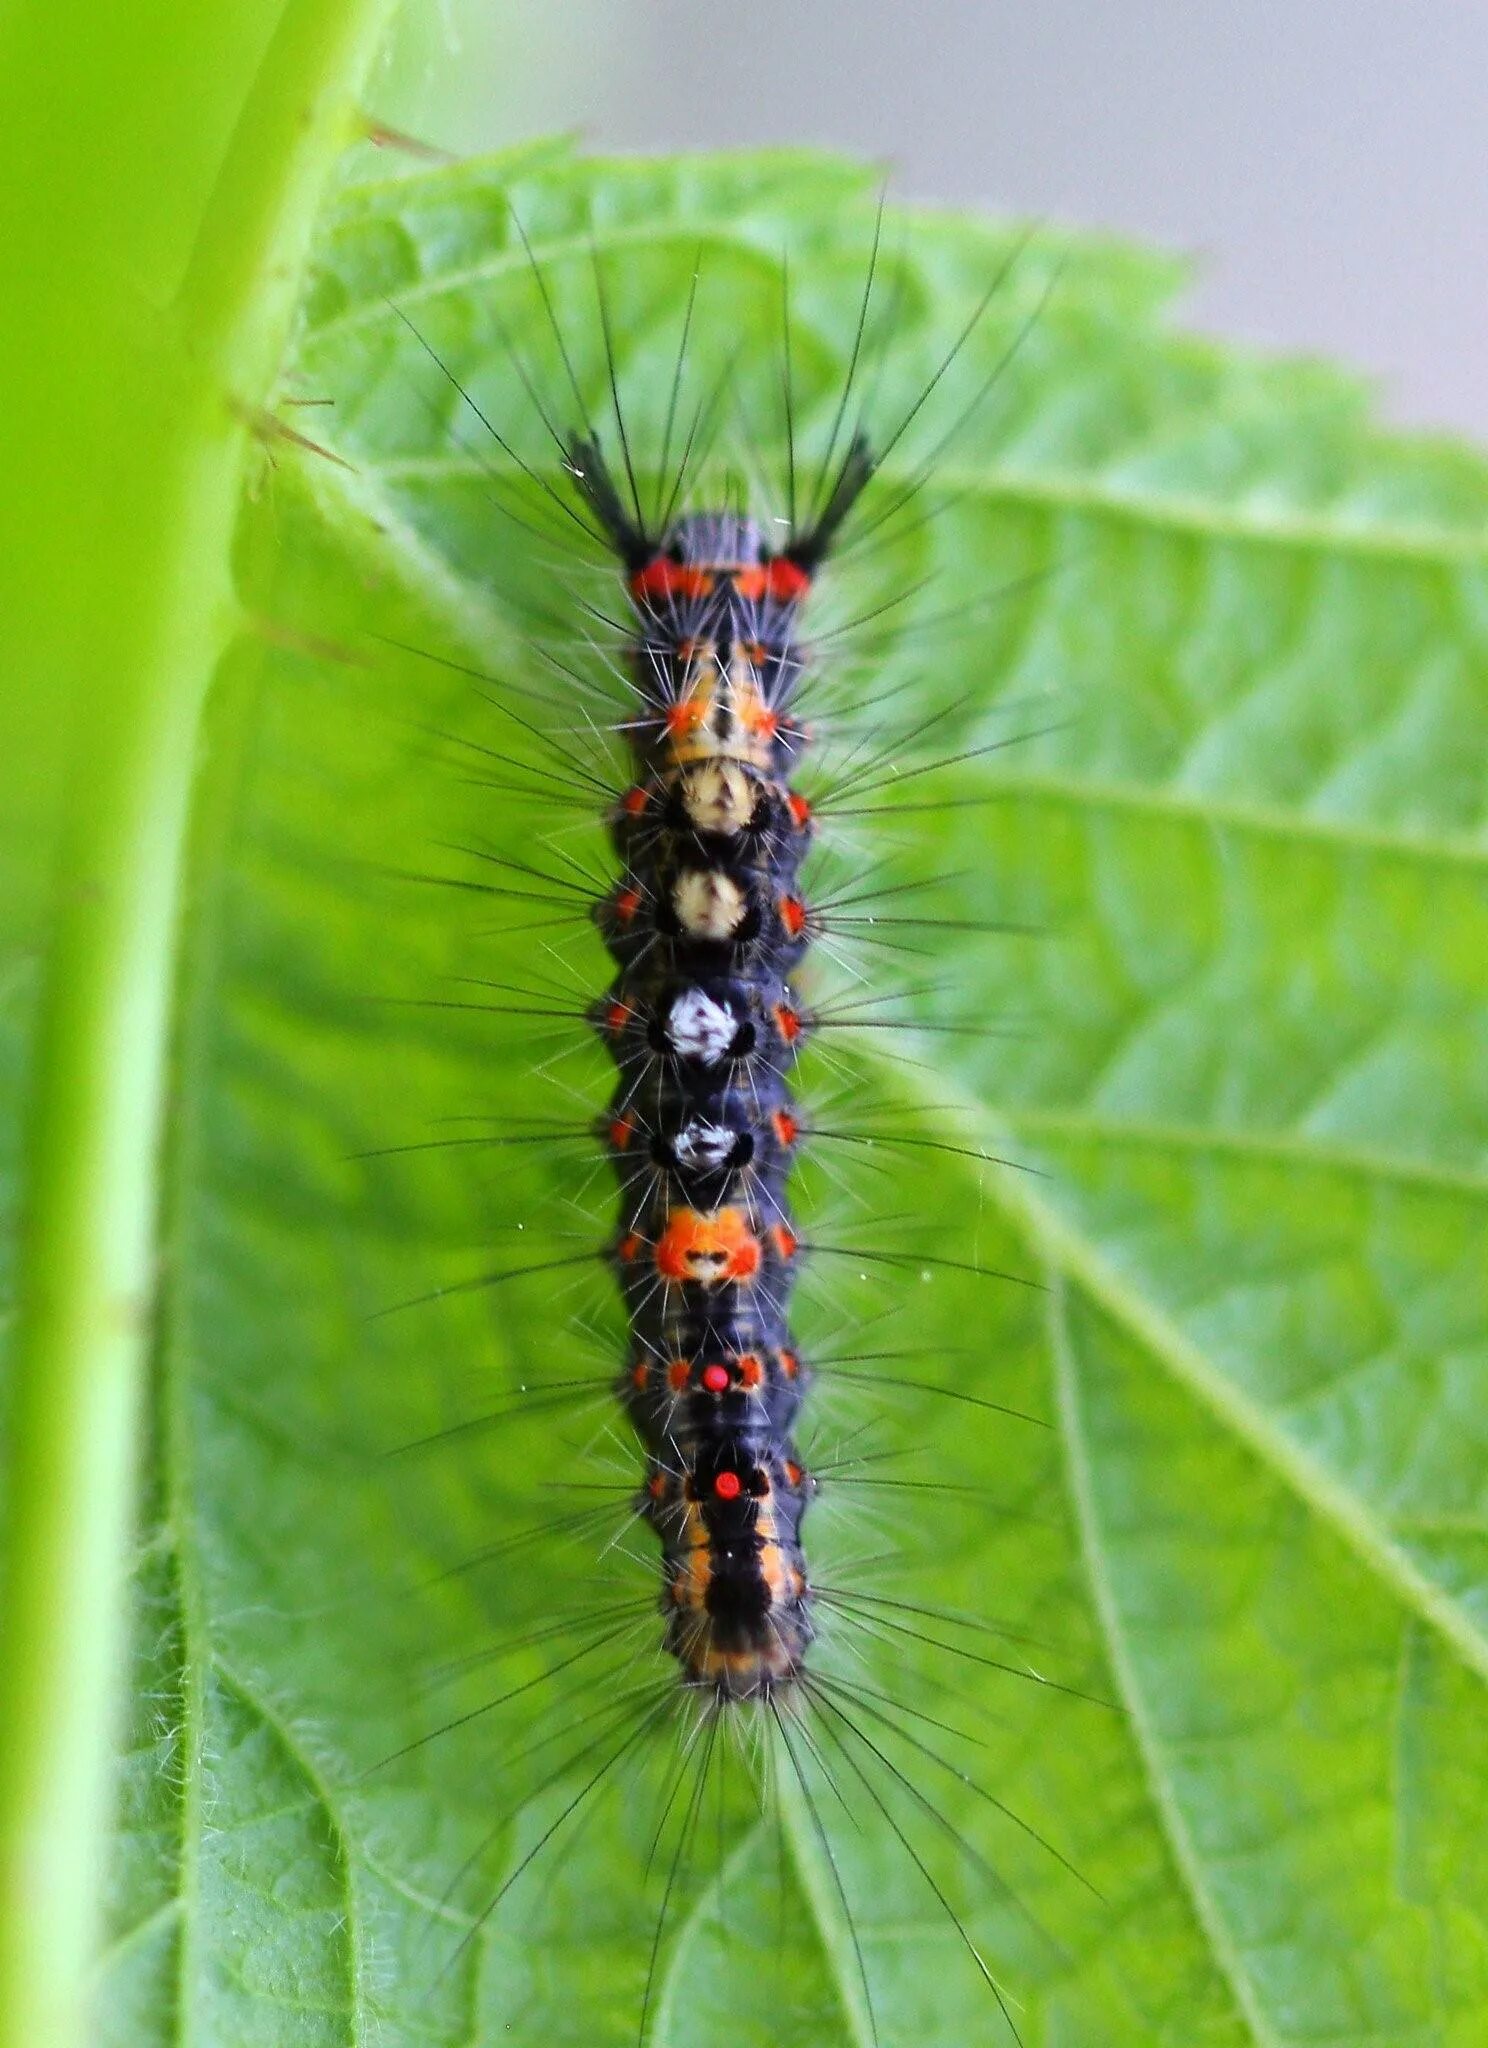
column 708, row 922
column 706, row 926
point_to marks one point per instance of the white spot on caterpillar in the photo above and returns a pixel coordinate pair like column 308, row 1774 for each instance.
column 709, row 904
column 703, row 1147
column 719, row 797
column 700, row 1029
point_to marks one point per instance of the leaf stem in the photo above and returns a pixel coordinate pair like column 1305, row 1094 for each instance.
column 155, row 610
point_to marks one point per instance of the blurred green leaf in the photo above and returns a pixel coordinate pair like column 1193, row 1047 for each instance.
column 159, row 170
column 1239, row 638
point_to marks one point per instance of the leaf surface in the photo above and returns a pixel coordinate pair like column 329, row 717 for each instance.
column 1239, row 639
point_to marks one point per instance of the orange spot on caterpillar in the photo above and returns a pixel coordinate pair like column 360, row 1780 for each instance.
column 785, row 1241
column 716, row 1378
column 628, row 1249
column 679, row 1372
column 707, row 1249
column 656, row 1485
column 638, row 1376
column 750, row 1371
column 622, row 1130
column 785, row 581
column 627, row 903
column 787, row 1127
column 635, row 802
column 685, row 716
column 787, row 1023
column 790, row 1365
column 756, row 716
column 799, row 809
column 728, row 1485
column 792, row 916
column 794, row 1472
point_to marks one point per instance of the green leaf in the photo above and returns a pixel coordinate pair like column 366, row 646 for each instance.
column 1239, row 639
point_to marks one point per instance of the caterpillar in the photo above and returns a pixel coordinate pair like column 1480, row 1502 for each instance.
column 709, row 922
column 706, row 926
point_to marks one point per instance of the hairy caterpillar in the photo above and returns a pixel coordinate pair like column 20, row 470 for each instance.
column 707, row 923
column 706, row 926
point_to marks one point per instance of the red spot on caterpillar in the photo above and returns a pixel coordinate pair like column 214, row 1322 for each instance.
column 679, row 1372
column 756, row 716
column 728, row 1486
column 707, row 1249
column 750, row 1371
column 784, row 581
column 785, row 1241
column 616, row 1017
column 638, row 1376
column 627, row 903
column 628, row 1249
column 663, row 578
column 787, row 1127
column 793, row 916
column 787, row 1023
column 793, row 1472
column 656, row 1485
column 787, row 580
column 800, row 811
column 716, row 1378
column 622, row 1130
column 635, row 802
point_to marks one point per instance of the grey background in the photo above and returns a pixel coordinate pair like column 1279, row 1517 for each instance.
column 1326, row 161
